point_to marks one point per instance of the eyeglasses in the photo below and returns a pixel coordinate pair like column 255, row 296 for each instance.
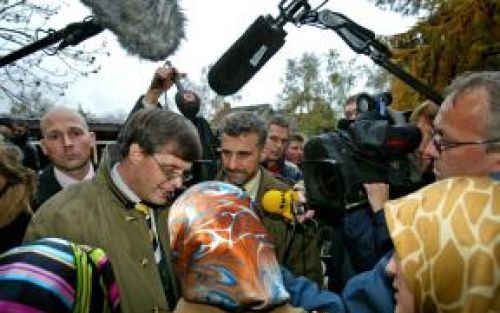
column 171, row 174
column 442, row 144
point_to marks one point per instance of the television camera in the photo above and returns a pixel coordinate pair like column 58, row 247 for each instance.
column 373, row 148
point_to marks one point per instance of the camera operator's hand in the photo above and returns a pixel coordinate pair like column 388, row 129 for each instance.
column 378, row 194
column 163, row 79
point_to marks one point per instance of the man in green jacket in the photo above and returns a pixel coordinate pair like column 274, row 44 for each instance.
column 122, row 210
column 243, row 136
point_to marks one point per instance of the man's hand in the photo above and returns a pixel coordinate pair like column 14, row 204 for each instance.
column 378, row 194
column 163, row 79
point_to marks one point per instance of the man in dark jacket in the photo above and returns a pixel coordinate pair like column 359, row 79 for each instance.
column 278, row 136
column 68, row 143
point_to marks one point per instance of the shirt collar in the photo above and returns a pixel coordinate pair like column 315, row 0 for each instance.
column 121, row 185
column 252, row 186
column 65, row 180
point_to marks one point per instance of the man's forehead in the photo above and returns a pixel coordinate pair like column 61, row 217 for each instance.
column 277, row 130
column 466, row 109
column 63, row 119
column 249, row 140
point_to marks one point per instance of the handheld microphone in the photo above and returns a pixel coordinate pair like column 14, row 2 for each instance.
column 246, row 56
column 187, row 101
column 151, row 29
column 280, row 202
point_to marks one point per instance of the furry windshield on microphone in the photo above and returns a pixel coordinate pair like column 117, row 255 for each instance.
column 151, row 29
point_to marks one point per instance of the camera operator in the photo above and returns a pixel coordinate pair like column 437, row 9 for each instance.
column 347, row 176
column 364, row 232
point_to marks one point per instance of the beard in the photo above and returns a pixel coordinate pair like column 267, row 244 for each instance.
column 239, row 178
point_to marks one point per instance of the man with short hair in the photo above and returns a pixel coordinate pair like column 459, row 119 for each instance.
column 466, row 138
column 294, row 151
column 466, row 142
column 278, row 136
column 123, row 209
column 67, row 142
column 463, row 207
column 243, row 136
column 351, row 108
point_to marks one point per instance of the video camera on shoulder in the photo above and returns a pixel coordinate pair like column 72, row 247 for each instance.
column 372, row 148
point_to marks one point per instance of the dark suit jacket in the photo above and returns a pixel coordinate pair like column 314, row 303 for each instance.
column 47, row 186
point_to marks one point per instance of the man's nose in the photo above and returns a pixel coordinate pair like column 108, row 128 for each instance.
column 67, row 140
column 390, row 268
column 177, row 182
column 232, row 163
column 431, row 150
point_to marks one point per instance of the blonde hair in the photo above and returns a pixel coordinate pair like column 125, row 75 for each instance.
column 428, row 109
column 20, row 184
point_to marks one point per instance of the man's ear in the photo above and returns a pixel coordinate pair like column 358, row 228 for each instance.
column 496, row 160
column 92, row 139
column 262, row 154
column 135, row 154
column 42, row 145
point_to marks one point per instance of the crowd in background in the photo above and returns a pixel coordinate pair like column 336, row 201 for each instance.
column 127, row 236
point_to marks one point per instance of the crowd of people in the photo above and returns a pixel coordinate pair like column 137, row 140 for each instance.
column 128, row 235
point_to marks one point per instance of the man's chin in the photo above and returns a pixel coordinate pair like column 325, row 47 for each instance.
column 438, row 174
column 238, row 181
column 72, row 166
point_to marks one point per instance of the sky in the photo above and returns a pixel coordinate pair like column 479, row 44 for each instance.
column 211, row 28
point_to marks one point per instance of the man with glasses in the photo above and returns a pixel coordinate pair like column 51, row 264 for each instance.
column 466, row 138
column 466, row 142
column 123, row 209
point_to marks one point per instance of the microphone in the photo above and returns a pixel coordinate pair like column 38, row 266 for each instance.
column 246, row 56
column 187, row 101
column 150, row 29
column 280, row 202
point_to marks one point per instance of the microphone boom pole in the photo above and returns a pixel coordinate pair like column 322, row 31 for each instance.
column 72, row 34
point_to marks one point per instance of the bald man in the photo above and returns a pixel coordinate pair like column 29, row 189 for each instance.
column 67, row 142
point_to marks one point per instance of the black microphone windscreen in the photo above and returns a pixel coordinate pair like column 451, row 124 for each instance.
column 150, row 29
column 246, row 56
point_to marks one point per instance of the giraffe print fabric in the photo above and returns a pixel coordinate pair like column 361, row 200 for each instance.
column 447, row 236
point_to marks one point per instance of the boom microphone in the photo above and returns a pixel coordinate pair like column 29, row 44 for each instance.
column 151, row 29
column 281, row 202
column 246, row 56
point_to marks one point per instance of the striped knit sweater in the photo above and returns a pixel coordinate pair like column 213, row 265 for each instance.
column 54, row 275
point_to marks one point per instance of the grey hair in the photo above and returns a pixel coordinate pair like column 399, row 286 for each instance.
column 490, row 81
column 238, row 123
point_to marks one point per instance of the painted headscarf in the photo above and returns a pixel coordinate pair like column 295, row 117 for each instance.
column 222, row 254
column 448, row 238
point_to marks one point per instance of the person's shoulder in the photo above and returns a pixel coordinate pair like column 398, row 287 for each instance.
column 292, row 166
column 47, row 173
column 271, row 182
column 73, row 198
